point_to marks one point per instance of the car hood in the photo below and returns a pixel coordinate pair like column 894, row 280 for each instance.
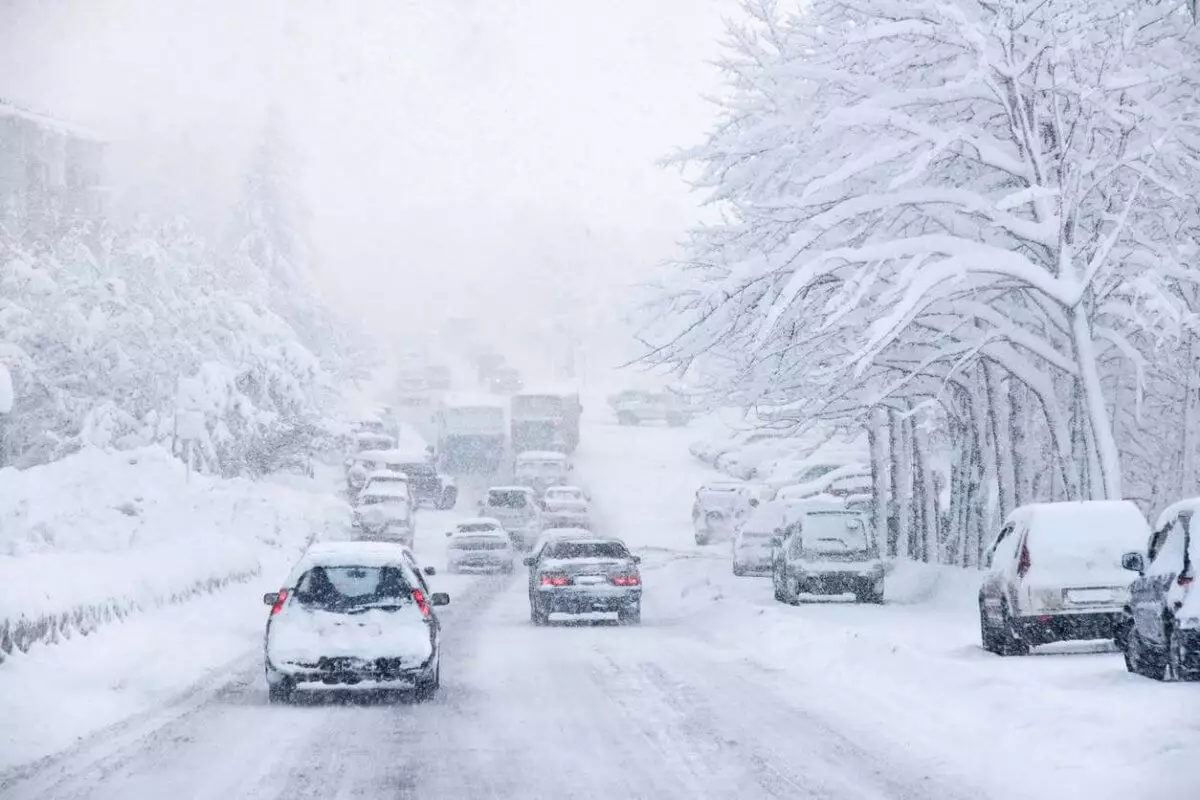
column 301, row 636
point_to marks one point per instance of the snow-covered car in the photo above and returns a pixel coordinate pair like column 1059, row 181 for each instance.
column 752, row 545
column 1159, row 632
column 541, row 469
column 567, row 518
column 753, row 452
column 565, row 498
column 719, row 509
column 828, row 550
column 636, row 407
column 479, row 544
column 438, row 378
column 1054, row 573
column 412, row 388
column 387, row 477
column 429, row 486
column 842, row 480
column 384, row 514
column 505, row 380
column 517, row 509
column 353, row 615
column 578, row 576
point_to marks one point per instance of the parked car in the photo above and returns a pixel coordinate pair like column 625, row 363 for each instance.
column 567, row 518
column 752, row 545
column 505, row 380
column 479, row 544
column 829, row 550
column 719, row 509
column 1159, row 631
column 518, row 511
column 387, row 477
column 636, row 407
column 412, row 387
column 576, row 576
column 841, row 480
column 1054, row 573
column 353, row 615
column 429, row 487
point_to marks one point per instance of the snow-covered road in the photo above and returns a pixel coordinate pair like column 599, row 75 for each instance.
column 720, row 692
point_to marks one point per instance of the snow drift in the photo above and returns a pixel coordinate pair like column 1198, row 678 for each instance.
column 99, row 535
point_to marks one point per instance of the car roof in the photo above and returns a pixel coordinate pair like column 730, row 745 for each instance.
column 479, row 521
column 352, row 554
column 394, row 455
column 513, row 488
column 383, row 490
column 387, row 475
column 1191, row 504
column 594, row 539
column 564, row 489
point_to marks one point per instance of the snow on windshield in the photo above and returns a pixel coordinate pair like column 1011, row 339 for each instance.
column 346, row 587
column 833, row 533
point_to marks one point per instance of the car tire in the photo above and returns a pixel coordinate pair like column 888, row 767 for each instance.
column 1011, row 642
column 627, row 418
column 426, row 690
column 630, row 615
column 280, row 693
column 449, row 499
column 1141, row 660
column 870, row 593
column 702, row 539
column 676, row 421
column 1176, row 667
column 738, row 572
column 989, row 637
column 537, row 615
column 780, row 597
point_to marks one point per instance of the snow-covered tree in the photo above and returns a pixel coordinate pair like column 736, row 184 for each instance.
column 972, row 214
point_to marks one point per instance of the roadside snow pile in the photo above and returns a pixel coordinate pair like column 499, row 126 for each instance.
column 100, row 535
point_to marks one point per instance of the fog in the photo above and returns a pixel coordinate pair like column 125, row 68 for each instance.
column 454, row 157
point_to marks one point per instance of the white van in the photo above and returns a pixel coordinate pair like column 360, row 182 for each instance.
column 1054, row 573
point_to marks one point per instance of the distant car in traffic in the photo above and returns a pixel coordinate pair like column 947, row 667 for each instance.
column 635, row 407
column 719, row 509
column 565, row 498
column 505, row 380
column 583, row 575
column 479, row 544
column 541, row 469
column 828, row 550
column 1054, row 573
column 518, row 510
column 387, row 477
column 1159, row 631
column 384, row 514
column 353, row 615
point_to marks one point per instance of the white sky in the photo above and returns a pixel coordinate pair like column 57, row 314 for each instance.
column 460, row 150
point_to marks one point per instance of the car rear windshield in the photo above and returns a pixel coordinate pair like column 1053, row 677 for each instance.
column 569, row 550
column 416, row 470
column 833, row 533
column 476, row 527
column 507, row 499
column 757, row 535
column 347, row 588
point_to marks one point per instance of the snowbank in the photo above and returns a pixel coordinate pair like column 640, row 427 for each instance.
column 99, row 535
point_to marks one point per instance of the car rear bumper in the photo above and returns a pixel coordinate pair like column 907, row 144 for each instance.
column 573, row 600
column 351, row 673
column 1065, row 627
column 837, row 582
column 755, row 565
column 481, row 563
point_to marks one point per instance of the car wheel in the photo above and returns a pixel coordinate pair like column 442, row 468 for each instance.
column 627, row 418
column 870, row 593
column 777, row 585
column 1177, row 666
column 630, row 615
column 1011, row 642
column 738, row 572
column 676, row 421
column 536, row 615
column 702, row 539
column 449, row 499
column 427, row 689
column 987, row 631
column 280, row 692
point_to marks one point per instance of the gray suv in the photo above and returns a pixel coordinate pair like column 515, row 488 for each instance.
column 828, row 551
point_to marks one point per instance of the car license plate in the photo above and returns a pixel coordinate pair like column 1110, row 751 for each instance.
column 1091, row 595
column 588, row 580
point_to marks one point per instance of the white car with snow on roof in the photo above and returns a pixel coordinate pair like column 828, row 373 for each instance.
column 566, row 498
column 827, row 549
column 1054, row 573
column 479, row 544
column 353, row 615
column 384, row 514
column 719, row 509
column 518, row 510
column 541, row 469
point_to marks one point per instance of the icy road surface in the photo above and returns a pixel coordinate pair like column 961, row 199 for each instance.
column 720, row 692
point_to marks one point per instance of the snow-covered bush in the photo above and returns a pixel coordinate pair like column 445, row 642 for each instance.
column 967, row 226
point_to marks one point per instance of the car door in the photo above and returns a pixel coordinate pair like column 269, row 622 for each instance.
column 995, row 561
column 1148, row 593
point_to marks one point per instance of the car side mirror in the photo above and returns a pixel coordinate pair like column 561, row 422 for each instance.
column 269, row 598
column 636, row 559
column 439, row 599
column 430, row 570
column 1134, row 562
column 449, row 534
column 529, row 561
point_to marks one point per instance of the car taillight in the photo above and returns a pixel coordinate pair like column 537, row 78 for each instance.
column 275, row 609
column 419, row 598
column 626, row 580
column 554, row 580
column 1025, row 562
column 1184, row 579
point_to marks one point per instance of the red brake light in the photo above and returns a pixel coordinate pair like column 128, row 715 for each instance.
column 626, row 580
column 419, row 598
column 554, row 580
column 1184, row 580
column 275, row 609
column 1025, row 563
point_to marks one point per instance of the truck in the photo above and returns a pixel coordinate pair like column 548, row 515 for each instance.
column 546, row 420
column 471, row 433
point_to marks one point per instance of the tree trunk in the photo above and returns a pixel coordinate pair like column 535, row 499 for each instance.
column 1017, row 417
column 893, row 521
column 879, row 476
column 1106, row 460
column 903, row 485
column 1001, row 447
